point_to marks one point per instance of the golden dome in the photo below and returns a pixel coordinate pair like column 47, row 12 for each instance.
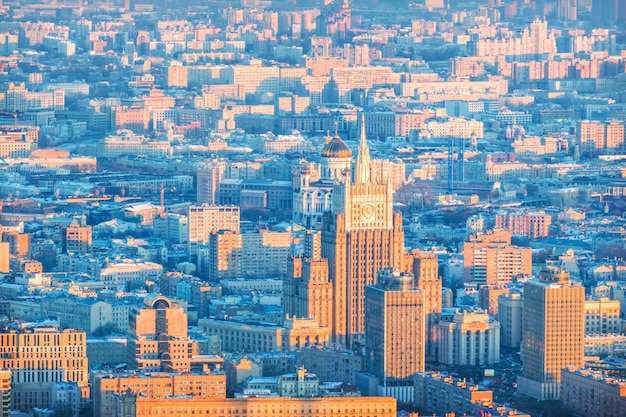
column 336, row 148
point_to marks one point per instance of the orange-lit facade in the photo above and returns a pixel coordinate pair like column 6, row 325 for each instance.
column 553, row 332
column 139, row 406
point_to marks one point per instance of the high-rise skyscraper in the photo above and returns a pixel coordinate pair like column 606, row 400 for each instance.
column 605, row 12
column 426, row 272
column 567, row 10
column 307, row 292
column 553, row 332
column 359, row 238
column 394, row 332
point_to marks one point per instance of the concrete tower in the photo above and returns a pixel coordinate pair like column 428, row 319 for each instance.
column 427, row 279
column 394, row 333
column 553, row 332
column 360, row 237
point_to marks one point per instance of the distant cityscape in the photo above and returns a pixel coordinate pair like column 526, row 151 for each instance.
column 312, row 208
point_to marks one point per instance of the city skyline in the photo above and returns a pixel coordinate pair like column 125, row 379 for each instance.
column 312, row 208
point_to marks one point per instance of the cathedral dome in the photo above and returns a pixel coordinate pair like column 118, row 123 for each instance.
column 336, row 148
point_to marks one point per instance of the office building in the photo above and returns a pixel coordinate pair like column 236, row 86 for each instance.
column 489, row 258
column 307, row 292
column 590, row 393
column 4, row 257
column 265, row 253
column 488, row 297
column 395, row 330
column 468, row 338
column 534, row 224
column 40, row 355
column 157, row 337
column 362, row 236
column 206, row 219
column 510, row 318
column 157, row 385
column 602, row 316
column 553, row 332
column 208, row 182
column 440, row 395
column 221, row 259
column 77, row 239
column 133, row 405
column 5, row 393
column 426, row 277
column 241, row 336
column 567, row 10
column 332, row 364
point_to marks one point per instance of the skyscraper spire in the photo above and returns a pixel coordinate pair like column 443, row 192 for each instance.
column 363, row 157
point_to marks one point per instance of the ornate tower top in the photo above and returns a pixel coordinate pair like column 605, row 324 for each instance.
column 363, row 157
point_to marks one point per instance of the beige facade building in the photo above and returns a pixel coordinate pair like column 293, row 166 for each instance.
column 157, row 386
column 488, row 297
column 39, row 357
column 534, row 224
column 5, row 393
column 222, row 258
column 468, row 338
column 440, row 395
column 510, row 318
column 307, row 291
column 590, row 393
column 490, row 258
column 590, row 137
column 602, row 316
column 237, row 336
column 208, row 182
column 265, row 253
column 77, row 239
column 425, row 269
column 157, row 337
column 4, row 257
column 137, row 406
column 206, row 219
column 593, row 136
column 614, row 135
column 553, row 332
column 395, row 332
column 177, row 75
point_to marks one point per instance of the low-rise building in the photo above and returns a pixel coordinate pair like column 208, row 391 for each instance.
column 440, row 395
column 590, row 393
column 133, row 405
column 602, row 316
column 468, row 338
column 332, row 364
column 237, row 336
column 157, row 386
